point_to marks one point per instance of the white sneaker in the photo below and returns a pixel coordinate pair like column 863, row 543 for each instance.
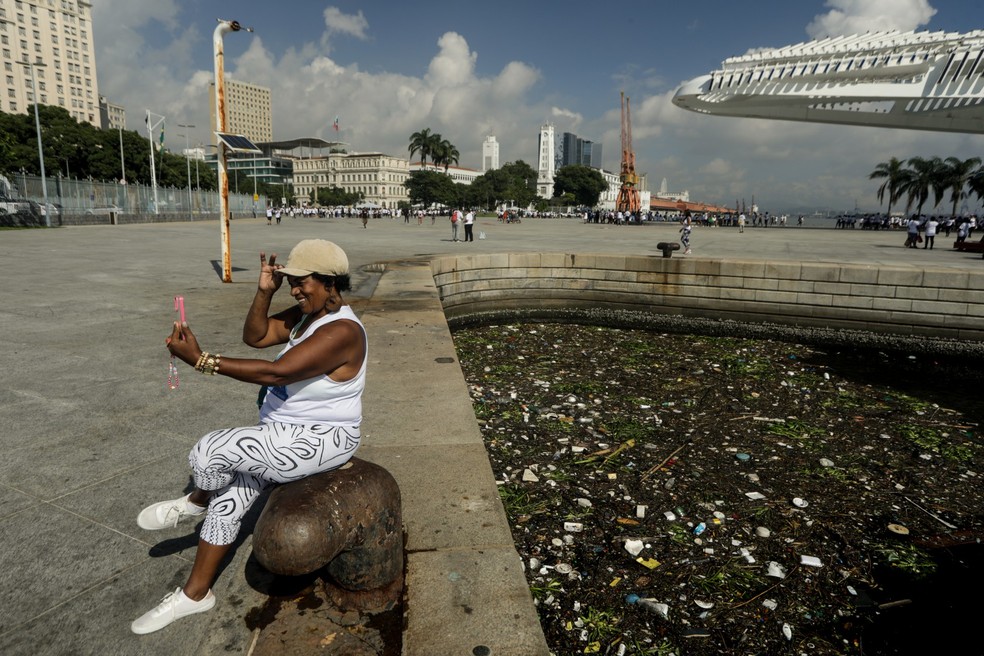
column 165, row 514
column 173, row 606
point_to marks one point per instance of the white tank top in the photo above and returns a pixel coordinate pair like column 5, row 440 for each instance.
column 318, row 400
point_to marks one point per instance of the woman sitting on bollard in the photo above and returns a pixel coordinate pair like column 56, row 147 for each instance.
column 310, row 412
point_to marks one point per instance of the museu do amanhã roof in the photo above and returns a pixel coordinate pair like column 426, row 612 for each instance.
column 914, row 80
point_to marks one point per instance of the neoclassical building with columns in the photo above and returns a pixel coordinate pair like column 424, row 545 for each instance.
column 378, row 176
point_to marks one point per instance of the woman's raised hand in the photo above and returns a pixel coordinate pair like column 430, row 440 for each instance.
column 270, row 280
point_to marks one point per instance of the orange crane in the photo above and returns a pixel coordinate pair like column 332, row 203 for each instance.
column 628, row 193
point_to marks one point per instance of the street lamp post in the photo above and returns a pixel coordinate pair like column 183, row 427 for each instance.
column 200, row 153
column 188, row 166
column 218, row 54
column 37, row 124
column 150, row 138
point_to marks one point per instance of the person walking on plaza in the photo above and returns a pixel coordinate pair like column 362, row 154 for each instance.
column 469, row 225
column 931, row 225
column 310, row 412
column 687, row 227
column 741, row 222
column 455, row 219
column 912, row 232
column 962, row 231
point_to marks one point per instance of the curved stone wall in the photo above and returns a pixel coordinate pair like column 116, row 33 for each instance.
column 902, row 301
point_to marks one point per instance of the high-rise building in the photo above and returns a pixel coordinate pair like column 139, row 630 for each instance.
column 248, row 110
column 56, row 37
column 111, row 117
column 576, row 150
column 490, row 154
column 546, row 164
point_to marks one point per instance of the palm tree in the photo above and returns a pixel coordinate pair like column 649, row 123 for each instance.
column 893, row 175
column 446, row 154
column 423, row 142
column 921, row 176
column 956, row 175
column 976, row 183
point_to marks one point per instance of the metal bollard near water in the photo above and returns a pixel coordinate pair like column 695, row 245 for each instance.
column 668, row 247
column 347, row 521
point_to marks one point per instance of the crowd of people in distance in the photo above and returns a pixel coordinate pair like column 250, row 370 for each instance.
column 946, row 224
column 709, row 219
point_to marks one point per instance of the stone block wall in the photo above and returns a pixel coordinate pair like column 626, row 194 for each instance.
column 940, row 303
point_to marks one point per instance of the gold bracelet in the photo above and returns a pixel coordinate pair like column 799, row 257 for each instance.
column 201, row 361
column 211, row 364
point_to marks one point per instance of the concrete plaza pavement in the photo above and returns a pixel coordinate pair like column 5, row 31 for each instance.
column 92, row 434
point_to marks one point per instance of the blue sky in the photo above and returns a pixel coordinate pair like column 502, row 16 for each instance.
column 467, row 69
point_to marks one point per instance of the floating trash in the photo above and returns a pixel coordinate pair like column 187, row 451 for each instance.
column 573, row 527
column 787, row 631
column 771, row 604
column 825, row 462
column 563, row 568
column 775, row 570
column 811, row 561
column 898, row 529
column 800, row 503
column 762, row 532
column 755, row 496
column 706, row 605
column 700, row 528
column 634, row 547
column 744, row 457
column 661, row 609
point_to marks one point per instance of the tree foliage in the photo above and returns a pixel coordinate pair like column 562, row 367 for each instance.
column 892, row 173
column 430, row 144
column 81, row 150
column 430, row 187
column 335, row 196
column 425, row 143
column 579, row 183
column 916, row 178
column 512, row 184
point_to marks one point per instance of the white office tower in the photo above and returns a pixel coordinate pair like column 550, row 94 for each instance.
column 56, row 40
column 545, row 159
column 924, row 81
column 490, row 154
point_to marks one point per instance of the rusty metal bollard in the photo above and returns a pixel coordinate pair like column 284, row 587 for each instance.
column 348, row 521
column 668, row 247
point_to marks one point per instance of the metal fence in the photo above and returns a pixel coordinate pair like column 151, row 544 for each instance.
column 73, row 196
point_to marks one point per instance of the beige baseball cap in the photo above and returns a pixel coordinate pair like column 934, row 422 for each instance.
column 316, row 256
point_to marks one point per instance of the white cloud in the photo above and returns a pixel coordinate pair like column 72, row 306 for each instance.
column 859, row 16
column 337, row 22
column 569, row 118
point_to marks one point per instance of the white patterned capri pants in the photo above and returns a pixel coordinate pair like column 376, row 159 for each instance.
column 238, row 464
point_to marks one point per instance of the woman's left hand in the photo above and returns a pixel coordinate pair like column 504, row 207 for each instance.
column 182, row 343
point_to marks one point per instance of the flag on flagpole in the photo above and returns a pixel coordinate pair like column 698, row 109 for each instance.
column 161, row 145
column 335, row 125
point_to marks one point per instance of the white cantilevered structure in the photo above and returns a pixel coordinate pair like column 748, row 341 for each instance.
column 914, row 80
